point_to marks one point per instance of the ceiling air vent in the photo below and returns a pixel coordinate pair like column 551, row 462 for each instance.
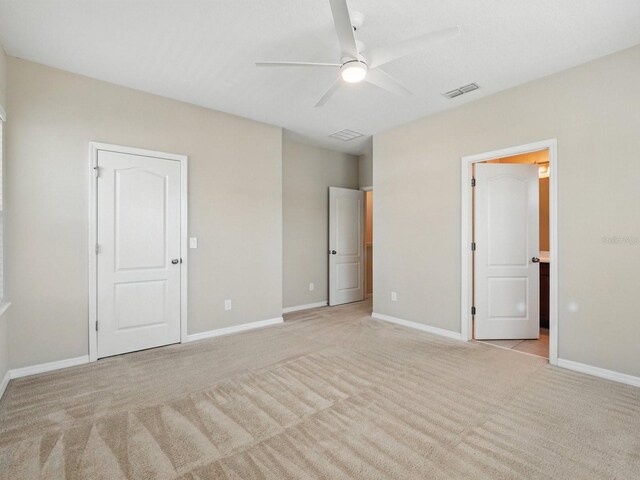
column 345, row 135
column 461, row 90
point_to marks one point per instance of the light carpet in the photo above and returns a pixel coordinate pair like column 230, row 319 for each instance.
column 329, row 394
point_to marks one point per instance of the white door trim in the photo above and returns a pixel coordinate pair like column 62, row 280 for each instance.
column 466, row 260
column 94, row 148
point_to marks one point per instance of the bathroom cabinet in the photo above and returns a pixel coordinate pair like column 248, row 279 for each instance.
column 544, row 295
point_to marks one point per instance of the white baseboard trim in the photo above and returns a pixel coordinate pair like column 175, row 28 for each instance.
column 418, row 326
column 48, row 367
column 304, row 307
column 235, row 329
column 599, row 372
column 4, row 383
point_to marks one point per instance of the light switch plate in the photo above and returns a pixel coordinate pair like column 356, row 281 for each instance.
column 193, row 242
column 227, row 304
column 394, row 296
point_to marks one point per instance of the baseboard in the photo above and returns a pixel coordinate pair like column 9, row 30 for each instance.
column 304, row 307
column 418, row 326
column 600, row 372
column 4, row 383
column 235, row 329
column 48, row 367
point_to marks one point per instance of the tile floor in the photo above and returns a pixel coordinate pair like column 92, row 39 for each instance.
column 540, row 347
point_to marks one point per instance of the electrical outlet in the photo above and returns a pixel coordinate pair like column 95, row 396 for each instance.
column 311, row 287
column 394, row 296
column 227, row 304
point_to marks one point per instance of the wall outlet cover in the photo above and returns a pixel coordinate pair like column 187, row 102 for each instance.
column 227, row 304
column 193, row 242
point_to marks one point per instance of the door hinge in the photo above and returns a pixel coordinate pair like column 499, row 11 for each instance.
column 473, row 310
column 473, row 246
column 96, row 325
column 97, row 249
column 96, row 171
column 473, row 182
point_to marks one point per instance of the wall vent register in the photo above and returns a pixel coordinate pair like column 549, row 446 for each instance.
column 461, row 90
column 346, row 135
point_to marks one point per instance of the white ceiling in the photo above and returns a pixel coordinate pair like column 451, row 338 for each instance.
column 203, row 51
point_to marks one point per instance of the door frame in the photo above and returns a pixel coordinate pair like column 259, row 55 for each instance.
column 94, row 148
column 466, row 257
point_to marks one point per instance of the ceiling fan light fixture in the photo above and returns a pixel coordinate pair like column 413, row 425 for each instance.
column 354, row 71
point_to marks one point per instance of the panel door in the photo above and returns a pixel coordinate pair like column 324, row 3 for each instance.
column 507, row 278
column 138, row 262
column 346, row 245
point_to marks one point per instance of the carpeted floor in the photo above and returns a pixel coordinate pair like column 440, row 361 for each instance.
column 330, row 394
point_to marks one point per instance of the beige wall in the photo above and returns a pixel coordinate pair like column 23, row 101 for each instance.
column 4, row 319
column 544, row 214
column 365, row 167
column 417, row 206
column 3, row 78
column 235, row 204
column 4, row 345
column 308, row 172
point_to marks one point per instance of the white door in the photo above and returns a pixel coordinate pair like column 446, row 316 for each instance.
column 507, row 279
column 138, row 262
column 346, row 245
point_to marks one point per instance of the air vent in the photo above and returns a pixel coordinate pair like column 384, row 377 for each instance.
column 461, row 90
column 345, row 135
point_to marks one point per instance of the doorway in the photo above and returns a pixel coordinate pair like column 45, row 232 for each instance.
column 509, row 248
column 137, row 250
column 368, row 241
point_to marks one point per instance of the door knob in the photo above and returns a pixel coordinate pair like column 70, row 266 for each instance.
column 535, row 260
column 333, row 252
column 175, row 261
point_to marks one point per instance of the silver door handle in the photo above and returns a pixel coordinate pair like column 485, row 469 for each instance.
column 535, row 260
column 175, row 261
column 333, row 252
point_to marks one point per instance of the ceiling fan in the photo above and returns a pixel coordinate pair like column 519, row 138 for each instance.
column 358, row 64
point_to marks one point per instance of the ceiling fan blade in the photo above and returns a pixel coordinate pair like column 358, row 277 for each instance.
column 296, row 64
column 386, row 82
column 329, row 93
column 344, row 28
column 381, row 55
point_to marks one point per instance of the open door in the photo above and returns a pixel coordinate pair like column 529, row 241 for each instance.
column 506, row 263
column 346, row 245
